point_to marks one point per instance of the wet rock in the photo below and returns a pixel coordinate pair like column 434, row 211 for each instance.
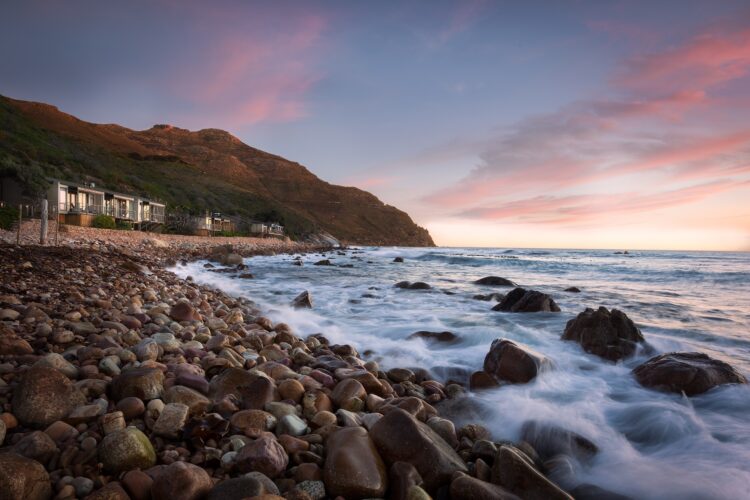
column 292, row 390
column 465, row 487
column 324, row 262
column 303, row 301
column 573, row 289
column 258, row 393
column 143, row 383
column 43, row 396
column 522, row 300
column 549, row 440
column 399, row 437
column 417, row 285
column 481, row 380
column 257, row 420
column 398, row 259
column 23, row 479
column 265, row 455
column 497, row 297
column 401, row 375
column 494, row 281
column 593, row 492
column 181, row 480
column 125, row 450
column 689, row 372
column 514, row 473
column 610, row 335
column 514, row 363
column 353, row 467
column 446, row 337
column 131, row 407
column 138, row 484
column 347, row 389
column 229, row 382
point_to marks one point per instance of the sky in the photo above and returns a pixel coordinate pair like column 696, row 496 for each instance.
column 573, row 124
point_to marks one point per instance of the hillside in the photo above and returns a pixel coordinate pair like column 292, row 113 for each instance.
column 194, row 171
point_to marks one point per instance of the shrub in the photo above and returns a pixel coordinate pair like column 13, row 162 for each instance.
column 8, row 215
column 104, row 222
column 124, row 225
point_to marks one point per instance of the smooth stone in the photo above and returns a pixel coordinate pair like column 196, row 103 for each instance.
column 609, row 335
column 466, row 487
column 353, row 467
column 239, row 488
column 59, row 363
column 399, row 437
column 125, row 450
column 143, row 383
column 689, row 372
column 514, row 473
column 171, row 421
column 194, row 400
column 292, row 425
column 37, row 446
column 138, row 484
column 514, row 363
column 265, row 455
column 181, row 480
column 401, row 477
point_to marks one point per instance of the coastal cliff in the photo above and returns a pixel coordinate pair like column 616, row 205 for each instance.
column 207, row 169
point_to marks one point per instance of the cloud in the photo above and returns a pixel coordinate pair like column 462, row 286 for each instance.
column 664, row 115
column 253, row 74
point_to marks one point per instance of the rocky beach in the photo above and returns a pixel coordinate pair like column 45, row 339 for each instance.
column 119, row 379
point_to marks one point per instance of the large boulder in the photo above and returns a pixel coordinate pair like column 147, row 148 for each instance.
column 522, row 300
column 43, row 396
column 609, row 335
column 353, row 467
column 689, row 372
column 399, row 437
column 514, row 472
column 231, row 381
column 494, row 281
column 23, row 479
column 126, row 449
column 514, row 363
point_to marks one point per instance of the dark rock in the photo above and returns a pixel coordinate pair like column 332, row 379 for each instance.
column 610, row 335
column 465, row 487
column 689, row 372
column 401, row 477
column 398, row 259
column 353, row 467
column 417, row 285
column 514, row 363
column 37, row 446
column 228, row 383
column 399, row 437
column 494, row 281
column 593, row 492
column 573, row 289
column 238, row 488
column 111, row 491
column 257, row 393
column 23, row 479
column 549, row 440
column 522, row 300
column 324, row 262
column 183, row 311
column 481, row 380
column 43, row 396
column 514, row 472
column 439, row 336
column 181, row 480
column 126, row 449
column 303, row 301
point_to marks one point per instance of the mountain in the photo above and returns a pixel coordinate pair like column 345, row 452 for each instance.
column 193, row 171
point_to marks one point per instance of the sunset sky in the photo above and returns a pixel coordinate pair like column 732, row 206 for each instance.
column 602, row 124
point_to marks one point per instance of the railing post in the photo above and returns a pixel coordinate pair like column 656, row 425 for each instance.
column 43, row 224
column 20, row 221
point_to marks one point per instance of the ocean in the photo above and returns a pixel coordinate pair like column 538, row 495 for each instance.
column 651, row 444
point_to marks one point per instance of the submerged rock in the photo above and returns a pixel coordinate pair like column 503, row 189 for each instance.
column 522, row 300
column 514, row 472
column 438, row 336
column 303, row 301
column 494, row 281
column 514, row 363
column 689, row 372
column 550, row 440
column 417, row 285
column 609, row 335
